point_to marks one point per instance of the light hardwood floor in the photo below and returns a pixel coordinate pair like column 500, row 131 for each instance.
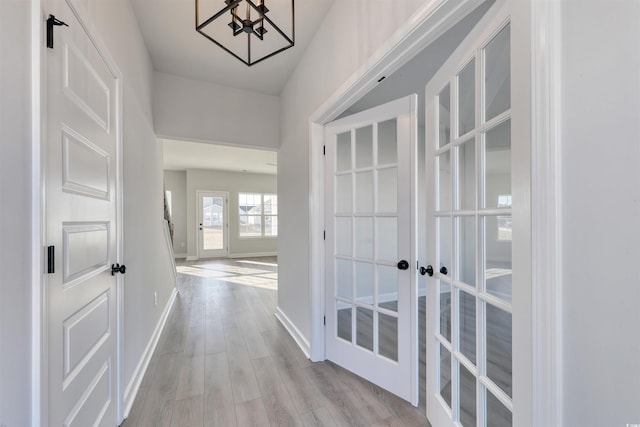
column 224, row 360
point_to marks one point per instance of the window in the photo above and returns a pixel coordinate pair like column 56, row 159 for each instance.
column 258, row 214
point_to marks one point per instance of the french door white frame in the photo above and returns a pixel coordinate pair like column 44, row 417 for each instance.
column 540, row 24
column 39, row 357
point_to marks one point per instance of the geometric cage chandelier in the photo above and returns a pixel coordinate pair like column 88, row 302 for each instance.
column 247, row 29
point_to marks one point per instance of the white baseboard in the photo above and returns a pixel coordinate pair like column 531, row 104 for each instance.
column 180, row 256
column 133, row 386
column 253, row 255
column 294, row 332
column 192, row 258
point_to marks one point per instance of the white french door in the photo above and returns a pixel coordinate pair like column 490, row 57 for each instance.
column 82, row 228
column 469, row 296
column 370, row 193
column 212, row 224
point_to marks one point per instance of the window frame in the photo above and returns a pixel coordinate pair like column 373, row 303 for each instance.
column 262, row 216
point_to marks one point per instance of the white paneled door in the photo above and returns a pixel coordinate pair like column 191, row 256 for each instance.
column 212, row 224
column 371, row 301
column 82, row 167
column 469, row 294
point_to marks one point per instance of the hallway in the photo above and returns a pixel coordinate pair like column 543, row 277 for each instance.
column 225, row 360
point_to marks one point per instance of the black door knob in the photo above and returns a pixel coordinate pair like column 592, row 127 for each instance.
column 117, row 268
column 443, row 270
column 403, row 265
column 428, row 270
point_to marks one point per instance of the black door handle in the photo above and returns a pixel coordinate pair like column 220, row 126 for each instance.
column 117, row 268
column 428, row 270
column 443, row 270
column 403, row 265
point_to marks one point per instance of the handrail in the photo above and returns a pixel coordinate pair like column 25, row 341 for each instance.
column 167, row 239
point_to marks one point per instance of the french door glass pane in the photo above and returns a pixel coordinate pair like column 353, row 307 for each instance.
column 467, row 325
column 388, row 190
column 212, row 223
column 387, row 239
column 445, row 375
column 467, row 98
column 343, row 236
column 497, row 250
column 444, row 242
column 445, row 310
column 364, row 282
column 344, row 194
column 444, row 116
column 497, row 414
column 467, row 249
column 344, row 320
column 364, row 326
column 388, row 287
column 387, row 142
column 388, row 336
column 343, row 279
column 497, row 166
column 364, row 237
column 364, row 147
column 343, row 152
column 364, row 192
column 444, row 181
column 467, row 398
column 467, row 175
column 499, row 347
column 498, row 74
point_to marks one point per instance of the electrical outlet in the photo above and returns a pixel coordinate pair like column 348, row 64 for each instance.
column 155, row 298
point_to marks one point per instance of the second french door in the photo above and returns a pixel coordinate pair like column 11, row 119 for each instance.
column 213, row 223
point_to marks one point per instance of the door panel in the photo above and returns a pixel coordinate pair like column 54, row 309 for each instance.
column 370, row 201
column 469, row 311
column 81, row 222
column 212, row 224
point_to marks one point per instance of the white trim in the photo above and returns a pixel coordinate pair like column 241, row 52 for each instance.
column 180, row 256
column 253, row 254
column 192, row 258
column 39, row 383
column 131, row 391
column 297, row 336
column 425, row 26
column 167, row 239
column 546, row 213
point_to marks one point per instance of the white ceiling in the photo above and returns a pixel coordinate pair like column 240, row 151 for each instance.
column 182, row 155
column 168, row 28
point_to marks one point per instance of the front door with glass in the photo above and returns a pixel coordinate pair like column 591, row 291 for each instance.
column 212, row 224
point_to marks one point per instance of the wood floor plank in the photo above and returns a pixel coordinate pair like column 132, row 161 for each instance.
column 219, row 408
column 195, row 342
column 191, row 380
column 319, row 417
column 188, row 412
column 214, row 337
column 252, row 413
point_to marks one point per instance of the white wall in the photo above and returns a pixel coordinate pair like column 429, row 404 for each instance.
column 600, row 128
column 176, row 182
column 233, row 183
column 350, row 33
column 15, row 208
column 200, row 111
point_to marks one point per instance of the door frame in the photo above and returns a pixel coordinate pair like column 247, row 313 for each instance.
column 541, row 64
column 39, row 277
column 225, row 231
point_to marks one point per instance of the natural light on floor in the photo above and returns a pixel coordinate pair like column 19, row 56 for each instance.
column 258, row 278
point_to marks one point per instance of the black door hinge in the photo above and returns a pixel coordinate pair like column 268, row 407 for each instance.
column 51, row 22
column 324, row 150
column 324, row 234
column 325, row 320
column 51, row 259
